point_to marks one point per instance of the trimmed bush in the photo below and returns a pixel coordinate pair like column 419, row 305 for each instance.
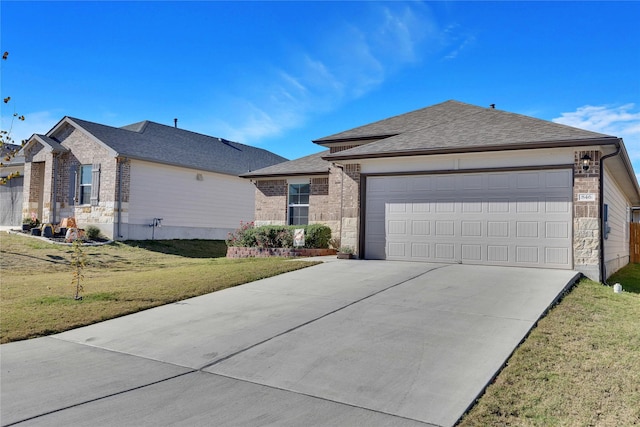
column 317, row 236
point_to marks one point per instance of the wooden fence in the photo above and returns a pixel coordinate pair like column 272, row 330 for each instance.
column 634, row 242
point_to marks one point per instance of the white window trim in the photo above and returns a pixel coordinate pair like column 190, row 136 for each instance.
column 295, row 205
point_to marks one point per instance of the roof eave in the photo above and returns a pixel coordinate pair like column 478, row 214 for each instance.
column 176, row 164
column 363, row 139
column 476, row 149
column 284, row 174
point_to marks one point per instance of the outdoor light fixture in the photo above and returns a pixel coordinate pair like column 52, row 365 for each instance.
column 585, row 162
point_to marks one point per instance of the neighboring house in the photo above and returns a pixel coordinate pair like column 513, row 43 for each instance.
column 141, row 181
column 11, row 191
column 460, row 183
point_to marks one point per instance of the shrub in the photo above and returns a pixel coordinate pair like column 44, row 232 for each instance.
column 243, row 236
column 278, row 236
column 92, row 232
column 317, row 236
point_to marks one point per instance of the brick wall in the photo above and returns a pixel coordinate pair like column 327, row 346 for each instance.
column 239, row 252
column 586, row 221
column 41, row 166
column 271, row 202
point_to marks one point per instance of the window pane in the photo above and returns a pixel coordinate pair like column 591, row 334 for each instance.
column 85, row 195
column 85, row 175
column 298, row 215
column 299, row 194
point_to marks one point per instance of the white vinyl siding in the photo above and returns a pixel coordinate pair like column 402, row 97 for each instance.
column 519, row 218
column 187, row 198
column 616, row 245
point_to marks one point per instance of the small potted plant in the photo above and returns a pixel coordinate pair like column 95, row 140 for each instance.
column 345, row 252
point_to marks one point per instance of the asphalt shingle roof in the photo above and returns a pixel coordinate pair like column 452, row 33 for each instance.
column 170, row 145
column 308, row 165
column 454, row 125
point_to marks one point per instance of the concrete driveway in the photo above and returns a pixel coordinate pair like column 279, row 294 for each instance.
column 348, row 343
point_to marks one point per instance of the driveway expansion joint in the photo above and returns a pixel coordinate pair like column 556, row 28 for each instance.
column 313, row 396
column 96, row 399
column 337, row 310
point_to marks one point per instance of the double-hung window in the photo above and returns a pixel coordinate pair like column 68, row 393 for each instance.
column 85, row 184
column 299, row 204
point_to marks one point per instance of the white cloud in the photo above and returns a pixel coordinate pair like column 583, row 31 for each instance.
column 37, row 122
column 351, row 60
column 622, row 121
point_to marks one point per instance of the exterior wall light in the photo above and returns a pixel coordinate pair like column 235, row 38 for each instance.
column 585, row 162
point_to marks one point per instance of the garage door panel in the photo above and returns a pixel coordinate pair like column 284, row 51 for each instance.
column 559, row 256
column 420, row 228
column 420, row 250
column 471, row 253
column 527, row 254
column 472, row 206
column 501, row 218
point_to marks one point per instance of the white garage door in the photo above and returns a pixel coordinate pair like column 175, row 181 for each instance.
column 521, row 218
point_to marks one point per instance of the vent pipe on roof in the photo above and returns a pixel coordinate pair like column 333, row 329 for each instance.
column 175, row 123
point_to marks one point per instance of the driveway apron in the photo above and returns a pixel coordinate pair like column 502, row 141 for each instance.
column 340, row 343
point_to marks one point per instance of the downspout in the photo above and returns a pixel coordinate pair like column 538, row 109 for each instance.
column 118, row 232
column 52, row 220
column 603, row 268
column 341, row 198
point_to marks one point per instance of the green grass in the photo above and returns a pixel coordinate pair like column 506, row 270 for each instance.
column 120, row 278
column 628, row 277
column 580, row 366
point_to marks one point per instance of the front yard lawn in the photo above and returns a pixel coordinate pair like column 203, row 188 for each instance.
column 120, row 278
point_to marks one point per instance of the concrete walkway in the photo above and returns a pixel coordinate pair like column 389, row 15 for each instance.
column 349, row 343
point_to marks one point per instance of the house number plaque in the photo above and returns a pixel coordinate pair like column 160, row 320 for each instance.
column 586, row 197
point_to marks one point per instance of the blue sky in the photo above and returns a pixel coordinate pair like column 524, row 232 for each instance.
column 280, row 74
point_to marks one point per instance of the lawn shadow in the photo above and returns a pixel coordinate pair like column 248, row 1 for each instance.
column 194, row 248
column 628, row 276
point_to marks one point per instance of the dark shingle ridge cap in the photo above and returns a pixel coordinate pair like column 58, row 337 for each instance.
column 411, row 123
column 313, row 164
column 380, row 135
column 140, row 127
column 136, row 127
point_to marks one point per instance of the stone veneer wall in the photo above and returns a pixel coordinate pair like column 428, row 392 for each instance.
column 586, row 216
column 351, row 207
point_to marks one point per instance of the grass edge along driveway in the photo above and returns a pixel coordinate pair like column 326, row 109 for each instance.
column 579, row 366
column 119, row 279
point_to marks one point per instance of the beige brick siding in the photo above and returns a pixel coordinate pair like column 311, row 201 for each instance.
column 271, row 202
column 334, row 201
